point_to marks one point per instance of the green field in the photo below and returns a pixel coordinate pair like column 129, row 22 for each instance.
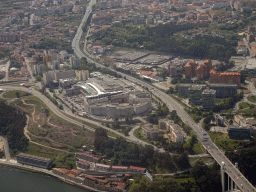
column 198, row 148
column 14, row 94
column 41, row 151
column 224, row 143
column 252, row 98
column 243, row 105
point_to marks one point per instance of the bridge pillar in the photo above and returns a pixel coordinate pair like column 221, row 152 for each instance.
column 222, row 178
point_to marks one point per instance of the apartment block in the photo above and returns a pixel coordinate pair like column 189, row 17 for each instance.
column 149, row 131
column 82, row 75
column 190, row 68
column 225, row 77
column 203, row 70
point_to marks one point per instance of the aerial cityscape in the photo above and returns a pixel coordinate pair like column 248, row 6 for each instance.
column 128, row 95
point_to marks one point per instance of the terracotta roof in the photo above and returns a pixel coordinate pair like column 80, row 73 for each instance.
column 75, row 171
column 137, row 168
column 82, row 162
column 91, row 178
column 71, row 175
column 61, row 170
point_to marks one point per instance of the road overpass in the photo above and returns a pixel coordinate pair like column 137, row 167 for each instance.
column 234, row 174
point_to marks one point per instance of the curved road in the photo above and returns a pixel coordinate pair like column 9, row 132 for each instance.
column 62, row 115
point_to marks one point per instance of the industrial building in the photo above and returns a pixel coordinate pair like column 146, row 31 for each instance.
column 117, row 105
column 239, row 133
column 114, row 98
column 222, row 90
column 208, row 98
column 251, row 65
column 33, row 160
column 149, row 131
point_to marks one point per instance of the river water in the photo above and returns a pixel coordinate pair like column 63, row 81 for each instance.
column 14, row 180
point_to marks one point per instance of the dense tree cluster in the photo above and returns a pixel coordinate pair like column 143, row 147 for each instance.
column 201, row 179
column 54, row 44
column 125, row 153
column 246, row 159
column 12, row 123
column 5, row 53
column 161, row 112
column 64, row 161
column 228, row 103
column 161, row 38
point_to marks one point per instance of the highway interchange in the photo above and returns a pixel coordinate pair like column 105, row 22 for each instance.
column 240, row 181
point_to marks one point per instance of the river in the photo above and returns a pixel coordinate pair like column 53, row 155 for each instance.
column 14, row 180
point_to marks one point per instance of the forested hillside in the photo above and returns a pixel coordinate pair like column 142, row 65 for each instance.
column 12, row 123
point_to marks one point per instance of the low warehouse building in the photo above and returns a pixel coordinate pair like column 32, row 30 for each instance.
column 33, row 160
column 239, row 133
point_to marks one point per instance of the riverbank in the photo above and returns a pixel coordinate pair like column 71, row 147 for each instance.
column 24, row 181
column 31, row 169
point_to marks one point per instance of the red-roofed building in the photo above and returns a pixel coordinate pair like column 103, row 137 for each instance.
column 87, row 157
column 137, row 169
column 203, row 71
column 102, row 167
column 83, row 165
column 75, row 172
column 190, row 68
column 119, row 168
column 225, row 77
column 60, row 171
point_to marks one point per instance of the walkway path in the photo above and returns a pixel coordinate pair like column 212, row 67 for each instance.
column 6, row 148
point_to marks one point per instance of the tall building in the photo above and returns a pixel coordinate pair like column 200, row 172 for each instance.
column 50, row 76
column 208, row 98
column 195, row 94
column 55, row 65
column 250, row 37
column 172, row 70
column 203, row 70
column 190, row 68
column 82, row 75
column 38, row 68
column 74, row 61
column 225, row 77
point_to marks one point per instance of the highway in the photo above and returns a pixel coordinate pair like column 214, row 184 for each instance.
column 231, row 170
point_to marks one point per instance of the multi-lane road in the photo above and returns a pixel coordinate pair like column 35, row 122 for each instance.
column 240, row 181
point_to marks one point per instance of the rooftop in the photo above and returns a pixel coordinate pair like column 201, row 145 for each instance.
column 33, row 157
column 209, row 91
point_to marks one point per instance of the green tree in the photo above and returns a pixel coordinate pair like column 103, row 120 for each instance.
column 17, row 94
